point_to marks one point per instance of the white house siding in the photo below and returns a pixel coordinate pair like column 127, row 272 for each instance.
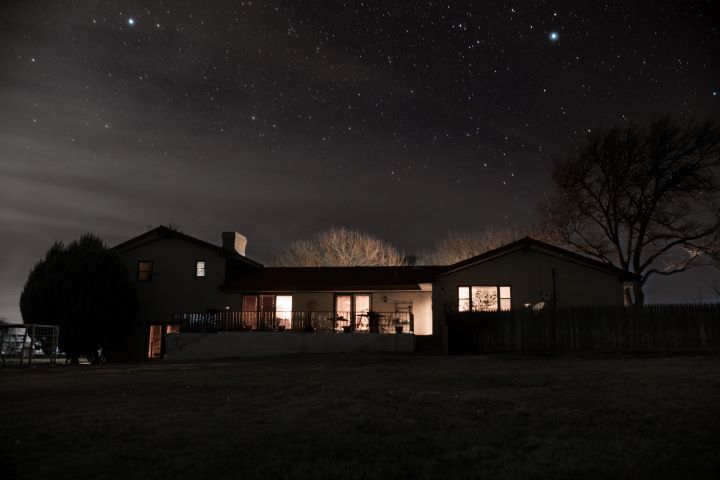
column 313, row 301
column 397, row 301
column 383, row 301
column 529, row 273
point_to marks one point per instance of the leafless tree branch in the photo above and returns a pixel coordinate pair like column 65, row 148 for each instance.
column 643, row 200
column 340, row 247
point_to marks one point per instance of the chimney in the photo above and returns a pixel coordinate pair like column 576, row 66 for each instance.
column 234, row 241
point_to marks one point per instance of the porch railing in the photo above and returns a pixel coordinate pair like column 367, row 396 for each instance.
column 294, row 321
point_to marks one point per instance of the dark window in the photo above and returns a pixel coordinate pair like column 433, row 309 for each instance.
column 200, row 268
column 145, row 271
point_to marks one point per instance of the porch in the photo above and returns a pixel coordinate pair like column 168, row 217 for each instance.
column 294, row 321
column 219, row 334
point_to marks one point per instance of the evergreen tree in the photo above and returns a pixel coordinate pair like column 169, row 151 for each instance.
column 83, row 288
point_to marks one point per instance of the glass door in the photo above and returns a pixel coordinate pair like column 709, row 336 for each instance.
column 266, row 320
column 362, row 307
column 351, row 311
column 343, row 312
column 283, row 312
column 155, row 341
column 250, row 311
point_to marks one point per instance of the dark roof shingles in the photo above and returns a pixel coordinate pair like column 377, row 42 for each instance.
column 528, row 242
column 333, row 278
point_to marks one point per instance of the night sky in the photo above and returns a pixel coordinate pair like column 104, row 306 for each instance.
column 280, row 119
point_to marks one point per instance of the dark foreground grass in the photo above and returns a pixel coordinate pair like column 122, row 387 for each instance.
column 366, row 416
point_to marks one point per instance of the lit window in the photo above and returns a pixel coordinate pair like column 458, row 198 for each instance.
column 200, row 268
column 490, row 298
column 505, row 298
column 283, row 311
column 484, row 299
column 145, row 271
column 267, row 312
column 463, row 299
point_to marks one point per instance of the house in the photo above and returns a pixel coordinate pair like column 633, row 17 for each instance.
column 174, row 272
column 186, row 285
column 400, row 295
column 525, row 274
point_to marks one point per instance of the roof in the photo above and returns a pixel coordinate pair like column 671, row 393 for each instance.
column 526, row 243
column 313, row 279
column 318, row 279
column 162, row 232
column 257, row 278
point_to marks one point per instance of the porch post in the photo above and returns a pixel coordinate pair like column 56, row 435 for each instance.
column 162, row 339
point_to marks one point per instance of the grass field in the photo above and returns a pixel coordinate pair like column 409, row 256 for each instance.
column 366, row 416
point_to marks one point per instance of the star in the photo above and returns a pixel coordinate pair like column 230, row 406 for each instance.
column 131, row 21
column 554, row 36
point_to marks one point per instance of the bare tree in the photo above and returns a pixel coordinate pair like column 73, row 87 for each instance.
column 339, row 247
column 457, row 246
column 714, row 251
column 642, row 200
column 714, row 254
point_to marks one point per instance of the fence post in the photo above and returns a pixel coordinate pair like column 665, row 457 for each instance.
column 22, row 347
column 32, row 344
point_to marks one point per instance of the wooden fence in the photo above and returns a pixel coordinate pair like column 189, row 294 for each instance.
column 656, row 328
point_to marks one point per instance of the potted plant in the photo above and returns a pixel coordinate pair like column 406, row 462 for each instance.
column 374, row 321
column 400, row 325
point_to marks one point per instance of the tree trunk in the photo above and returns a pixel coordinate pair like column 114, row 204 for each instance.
column 627, row 295
column 638, row 294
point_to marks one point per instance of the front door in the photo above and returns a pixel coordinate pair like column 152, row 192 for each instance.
column 155, row 341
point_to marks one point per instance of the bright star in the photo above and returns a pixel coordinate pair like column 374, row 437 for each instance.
column 131, row 21
column 554, row 36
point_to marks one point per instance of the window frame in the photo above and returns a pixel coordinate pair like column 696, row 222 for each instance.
column 354, row 315
column 151, row 271
column 252, row 318
column 498, row 290
column 352, row 295
column 197, row 268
